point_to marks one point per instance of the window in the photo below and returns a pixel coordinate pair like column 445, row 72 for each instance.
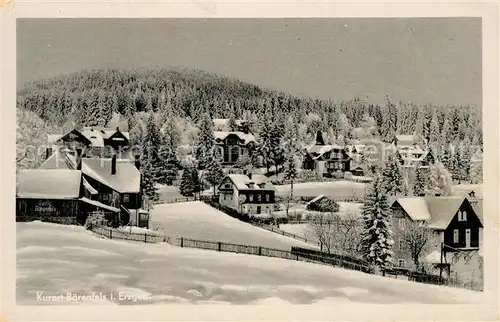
column 462, row 216
column 401, row 263
column 455, row 236
column 104, row 196
column 268, row 197
column 401, row 244
column 126, row 197
column 401, row 223
column 250, row 197
column 257, row 198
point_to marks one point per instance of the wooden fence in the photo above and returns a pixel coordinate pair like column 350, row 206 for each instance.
column 287, row 234
column 296, row 255
column 112, row 233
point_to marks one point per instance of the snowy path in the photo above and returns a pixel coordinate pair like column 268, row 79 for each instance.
column 55, row 259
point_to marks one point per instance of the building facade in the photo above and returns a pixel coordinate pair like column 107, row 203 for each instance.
column 247, row 194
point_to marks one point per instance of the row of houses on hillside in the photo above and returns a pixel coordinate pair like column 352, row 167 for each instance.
column 329, row 159
column 82, row 174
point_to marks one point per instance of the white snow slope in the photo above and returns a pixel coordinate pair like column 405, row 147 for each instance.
column 336, row 189
column 198, row 220
column 57, row 259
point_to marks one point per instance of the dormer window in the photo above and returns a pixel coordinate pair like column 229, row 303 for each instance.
column 262, row 185
column 251, row 185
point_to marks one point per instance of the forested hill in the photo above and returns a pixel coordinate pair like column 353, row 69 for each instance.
column 90, row 98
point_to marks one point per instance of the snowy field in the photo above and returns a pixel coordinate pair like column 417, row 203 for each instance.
column 58, row 259
column 198, row 220
column 303, row 230
column 335, row 189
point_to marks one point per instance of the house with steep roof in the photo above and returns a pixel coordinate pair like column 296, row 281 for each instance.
column 57, row 195
column 234, row 145
column 248, row 194
column 326, row 159
column 452, row 221
column 91, row 141
column 116, row 182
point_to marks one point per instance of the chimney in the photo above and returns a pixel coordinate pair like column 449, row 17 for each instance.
column 250, row 175
column 113, row 164
column 117, row 129
column 138, row 162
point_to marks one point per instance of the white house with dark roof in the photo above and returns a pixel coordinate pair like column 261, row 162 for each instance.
column 454, row 223
column 247, row 194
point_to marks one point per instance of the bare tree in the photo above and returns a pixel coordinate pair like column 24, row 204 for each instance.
column 338, row 233
column 416, row 237
column 322, row 228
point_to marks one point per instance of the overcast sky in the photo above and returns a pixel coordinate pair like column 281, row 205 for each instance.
column 414, row 60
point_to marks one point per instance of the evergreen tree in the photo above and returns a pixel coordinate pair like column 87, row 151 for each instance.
column 440, row 179
column 421, row 181
column 476, row 169
column 150, row 160
column 213, row 171
column 187, row 186
column 392, row 177
column 434, row 133
column 206, row 142
column 377, row 234
column 233, row 127
column 291, row 172
column 168, row 171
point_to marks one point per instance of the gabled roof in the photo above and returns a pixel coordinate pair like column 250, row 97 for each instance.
column 437, row 211
column 242, row 182
column 95, row 135
column 246, row 138
column 126, row 180
column 224, row 123
column 320, row 150
column 49, row 184
column 99, row 204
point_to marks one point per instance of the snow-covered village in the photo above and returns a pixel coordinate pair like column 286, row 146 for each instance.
column 184, row 185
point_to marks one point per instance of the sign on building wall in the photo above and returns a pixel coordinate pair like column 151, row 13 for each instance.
column 45, row 207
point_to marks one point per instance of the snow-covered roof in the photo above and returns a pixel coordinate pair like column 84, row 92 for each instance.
column 315, row 200
column 246, row 138
column 243, row 182
column 416, row 208
column 466, row 189
column 127, row 178
column 95, row 135
column 49, row 184
column 405, row 139
column 322, row 149
column 99, row 204
column 437, row 211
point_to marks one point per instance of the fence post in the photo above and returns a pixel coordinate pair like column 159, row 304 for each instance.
column 111, row 234
column 260, row 250
column 145, row 237
column 182, row 242
column 297, row 256
column 219, row 244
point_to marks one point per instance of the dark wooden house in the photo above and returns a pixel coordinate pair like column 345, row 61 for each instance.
column 116, row 181
column 233, row 145
column 57, row 195
column 326, row 159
